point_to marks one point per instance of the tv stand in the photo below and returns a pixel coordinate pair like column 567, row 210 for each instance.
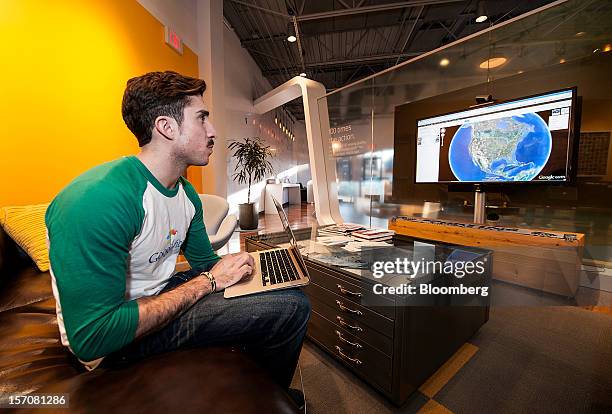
column 545, row 260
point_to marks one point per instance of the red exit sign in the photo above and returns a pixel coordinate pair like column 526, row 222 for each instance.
column 173, row 40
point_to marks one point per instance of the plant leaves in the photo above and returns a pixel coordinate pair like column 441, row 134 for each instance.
column 252, row 160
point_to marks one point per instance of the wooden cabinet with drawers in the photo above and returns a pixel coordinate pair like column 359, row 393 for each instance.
column 391, row 345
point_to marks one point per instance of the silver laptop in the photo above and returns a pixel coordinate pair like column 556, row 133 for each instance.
column 279, row 268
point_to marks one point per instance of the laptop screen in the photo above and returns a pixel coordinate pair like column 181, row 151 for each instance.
column 285, row 221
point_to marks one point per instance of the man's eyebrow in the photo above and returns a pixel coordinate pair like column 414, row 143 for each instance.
column 203, row 112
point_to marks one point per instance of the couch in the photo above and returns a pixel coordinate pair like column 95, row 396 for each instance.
column 32, row 360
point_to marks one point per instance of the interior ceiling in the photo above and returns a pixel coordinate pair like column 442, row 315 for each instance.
column 343, row 41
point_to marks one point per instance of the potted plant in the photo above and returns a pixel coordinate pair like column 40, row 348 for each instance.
column 252, row 165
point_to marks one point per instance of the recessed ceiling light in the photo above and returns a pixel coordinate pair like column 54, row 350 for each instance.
column 291, row 38
column 444, row 62
column 481, row 19
column 607, row 47
column 493, row 62
column 596, row 50
column 303, row 74
column 519, row 72
column 580, row 34
column 562, row 60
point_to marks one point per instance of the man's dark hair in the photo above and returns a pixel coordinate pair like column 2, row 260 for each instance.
column 157, row 94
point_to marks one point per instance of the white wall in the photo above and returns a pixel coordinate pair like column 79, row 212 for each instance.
column 179, row 15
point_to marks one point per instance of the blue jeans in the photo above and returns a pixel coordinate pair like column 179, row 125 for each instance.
column 269, row 326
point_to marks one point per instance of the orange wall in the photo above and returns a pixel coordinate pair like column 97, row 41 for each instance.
column 64, row 68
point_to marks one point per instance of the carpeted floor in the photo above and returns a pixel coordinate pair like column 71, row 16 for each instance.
column 529, row 360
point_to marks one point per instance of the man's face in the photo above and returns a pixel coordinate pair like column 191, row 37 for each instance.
column 197, row 134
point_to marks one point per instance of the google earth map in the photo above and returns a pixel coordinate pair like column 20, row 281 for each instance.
column 514, row 148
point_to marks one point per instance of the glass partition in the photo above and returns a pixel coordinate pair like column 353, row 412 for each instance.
column 370, row 132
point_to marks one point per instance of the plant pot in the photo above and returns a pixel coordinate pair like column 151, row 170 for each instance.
column 247, row 216
column 492, row 219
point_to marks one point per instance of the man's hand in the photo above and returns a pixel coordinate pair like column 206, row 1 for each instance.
column 156, row 311
column 232, row 268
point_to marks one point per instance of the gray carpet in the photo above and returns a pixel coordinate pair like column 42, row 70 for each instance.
column 530, row 360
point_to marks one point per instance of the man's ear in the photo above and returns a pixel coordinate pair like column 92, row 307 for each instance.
column 167, row 127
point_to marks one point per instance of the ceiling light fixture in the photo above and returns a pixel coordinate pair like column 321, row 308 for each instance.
column 607, row 47
column 291, row 32
column 444, row 62
column 580, row 34
column 562, row 61
column 493, row 62
column 481, row 14
column 303, row 74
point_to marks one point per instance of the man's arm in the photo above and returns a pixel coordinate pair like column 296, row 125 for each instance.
column 90, row 231
column 155, row 312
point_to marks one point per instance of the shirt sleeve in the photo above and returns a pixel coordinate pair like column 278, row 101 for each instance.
column 89, row 237
column 197, row 248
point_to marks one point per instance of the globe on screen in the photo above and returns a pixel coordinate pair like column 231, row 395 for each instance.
column 513, row 148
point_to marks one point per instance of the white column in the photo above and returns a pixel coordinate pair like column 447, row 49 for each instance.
column 211, row 68
column 322, row 168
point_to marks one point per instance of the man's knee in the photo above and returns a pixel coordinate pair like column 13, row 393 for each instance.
column 303, row 306
column 294, row 306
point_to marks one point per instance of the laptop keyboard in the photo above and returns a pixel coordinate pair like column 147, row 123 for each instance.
column 277, row 267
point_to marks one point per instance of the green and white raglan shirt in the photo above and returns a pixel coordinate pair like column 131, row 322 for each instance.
column 114, row 236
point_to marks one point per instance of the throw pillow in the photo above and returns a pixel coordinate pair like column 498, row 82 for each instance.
column 26, row 225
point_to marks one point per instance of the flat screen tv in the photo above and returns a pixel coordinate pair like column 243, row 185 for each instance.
column 523, row 140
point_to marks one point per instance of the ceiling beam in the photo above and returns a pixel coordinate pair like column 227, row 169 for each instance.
column 311, row 34
column 447, row 30
column 346, row 6
column 269, row 56
column 274, row 38
column 263, row 9
column 325, row 75
column 333, row 63
column 371, row 9
column 360, row 59
column 411, row 31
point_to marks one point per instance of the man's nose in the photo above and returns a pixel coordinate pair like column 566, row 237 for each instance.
column 210, row 130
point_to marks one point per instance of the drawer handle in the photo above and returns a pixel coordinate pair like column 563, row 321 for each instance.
column 348, row 292
column 343, row 355
column 345, row 309
column 346, row 341
column 346, row 325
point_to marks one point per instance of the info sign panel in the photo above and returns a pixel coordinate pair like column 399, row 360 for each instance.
column 347, row 140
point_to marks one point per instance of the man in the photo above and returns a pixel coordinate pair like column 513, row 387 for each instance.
column 115, row 233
